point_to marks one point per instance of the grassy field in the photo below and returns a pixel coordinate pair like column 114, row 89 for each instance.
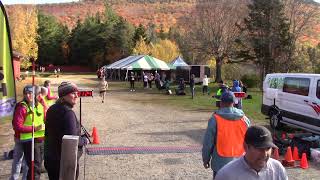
column 200, row 102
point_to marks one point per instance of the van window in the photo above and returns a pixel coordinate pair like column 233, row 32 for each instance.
column 318, row 89
column 275, row 82
column 296, row 85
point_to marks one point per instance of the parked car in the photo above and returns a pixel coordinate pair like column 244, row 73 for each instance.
column 292, row 99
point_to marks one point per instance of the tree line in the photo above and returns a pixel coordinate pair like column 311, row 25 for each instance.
column 265, row 33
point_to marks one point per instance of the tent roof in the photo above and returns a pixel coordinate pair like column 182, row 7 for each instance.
column 148, row 63
column 140, row 62
column 178, row 62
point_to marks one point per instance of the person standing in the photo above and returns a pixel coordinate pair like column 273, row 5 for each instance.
column 103, row 86
column 237, row 88
column 192, row 85
column 61, row 120
column 205, row 84
column 223, row 139
column 257, row 162
column 157, row 79
column 132, row 79
column 18, row 155
column 22, row 123
column 50, row 98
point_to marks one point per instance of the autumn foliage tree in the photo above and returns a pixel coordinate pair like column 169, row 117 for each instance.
column 23, row 28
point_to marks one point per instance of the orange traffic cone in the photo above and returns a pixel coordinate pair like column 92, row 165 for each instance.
column 95, row 136
column 304, row 161
column 276, row 153
column 295, row 154
column 288, row 160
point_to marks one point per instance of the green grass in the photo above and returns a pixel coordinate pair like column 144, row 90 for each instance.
column 251, row 107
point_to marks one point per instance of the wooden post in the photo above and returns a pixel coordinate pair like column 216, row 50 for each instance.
column 68, row 162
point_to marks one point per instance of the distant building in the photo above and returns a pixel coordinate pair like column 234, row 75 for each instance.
column 16, row 63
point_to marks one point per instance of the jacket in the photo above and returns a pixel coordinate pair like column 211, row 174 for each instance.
column 60, row 120
column 209, row 151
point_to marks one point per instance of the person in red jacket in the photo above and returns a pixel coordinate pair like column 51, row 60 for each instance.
column 23, row 128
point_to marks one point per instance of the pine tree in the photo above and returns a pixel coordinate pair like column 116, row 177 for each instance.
column 268, row 34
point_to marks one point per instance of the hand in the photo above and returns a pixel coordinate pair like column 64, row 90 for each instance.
column 206, row 165
column 38, row 128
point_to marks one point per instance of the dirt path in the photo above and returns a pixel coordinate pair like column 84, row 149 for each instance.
column 123, row 122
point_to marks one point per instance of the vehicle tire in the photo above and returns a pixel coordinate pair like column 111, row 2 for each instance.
column 275, row 120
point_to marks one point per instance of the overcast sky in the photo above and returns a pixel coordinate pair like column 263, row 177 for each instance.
column 47, row 1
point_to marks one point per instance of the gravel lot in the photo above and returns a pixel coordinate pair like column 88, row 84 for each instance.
column 126, row 120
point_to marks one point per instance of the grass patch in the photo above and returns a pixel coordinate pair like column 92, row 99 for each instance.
column 251, row 107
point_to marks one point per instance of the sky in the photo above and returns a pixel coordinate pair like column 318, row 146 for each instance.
column 47, row 1
column 35, row 1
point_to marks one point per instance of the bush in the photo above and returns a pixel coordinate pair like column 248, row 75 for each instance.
column 250, row 80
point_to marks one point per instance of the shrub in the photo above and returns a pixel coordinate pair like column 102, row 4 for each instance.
column 250, row 80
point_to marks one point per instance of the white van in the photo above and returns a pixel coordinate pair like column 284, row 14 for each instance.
column 292, row 99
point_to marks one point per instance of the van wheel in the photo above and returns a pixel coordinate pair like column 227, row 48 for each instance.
column 275, row 120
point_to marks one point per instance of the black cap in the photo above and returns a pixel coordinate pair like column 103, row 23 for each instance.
column 259, row 137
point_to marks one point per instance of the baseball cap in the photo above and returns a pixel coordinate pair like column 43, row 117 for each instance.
column 228, row 97
column 27, row 89
column 259, row 137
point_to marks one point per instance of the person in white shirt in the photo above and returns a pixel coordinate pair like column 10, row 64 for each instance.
column 103, row 86
column 205, row 83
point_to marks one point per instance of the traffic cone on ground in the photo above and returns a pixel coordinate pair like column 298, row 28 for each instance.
column 295, row 154
column 276, row 153
column 304, row 161
column 288, row 160
column 95, row 136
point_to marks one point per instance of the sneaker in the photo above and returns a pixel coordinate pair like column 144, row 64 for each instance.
column 134, row 90
column 130, row 89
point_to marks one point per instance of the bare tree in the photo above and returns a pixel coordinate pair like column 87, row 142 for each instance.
column 213, row 29
column 302, row 15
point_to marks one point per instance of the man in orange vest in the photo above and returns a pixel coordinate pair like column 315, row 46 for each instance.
column 223, row 140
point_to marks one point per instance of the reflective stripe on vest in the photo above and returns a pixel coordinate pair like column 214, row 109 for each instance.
column 230, row 136
column 38, row 120
column 219, row 92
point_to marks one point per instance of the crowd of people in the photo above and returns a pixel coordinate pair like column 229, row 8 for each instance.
column 52, row 118
column 232, row 147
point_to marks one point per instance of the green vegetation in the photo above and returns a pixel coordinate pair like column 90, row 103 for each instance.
column 201, row 102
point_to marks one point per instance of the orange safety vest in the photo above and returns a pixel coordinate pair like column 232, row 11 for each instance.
column 230, row 136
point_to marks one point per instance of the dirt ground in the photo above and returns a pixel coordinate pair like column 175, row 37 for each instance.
column 126, row 120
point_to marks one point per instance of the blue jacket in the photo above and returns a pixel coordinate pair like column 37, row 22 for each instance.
column 209, row 151
column 236, row 87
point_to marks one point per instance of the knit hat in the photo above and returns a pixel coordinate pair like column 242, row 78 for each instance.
column 66, row 88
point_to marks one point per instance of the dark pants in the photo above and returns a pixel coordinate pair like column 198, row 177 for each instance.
column 150, row 84
column 38, row 150
column 131, row 84
column 204, row 89
column 53, row 167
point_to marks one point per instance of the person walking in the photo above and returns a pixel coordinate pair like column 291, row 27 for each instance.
column 205, row 84
column 223, row 139
column 22, row 123
column 61, row 120
column 103, row 86
column 192, row 85
column 257, row 162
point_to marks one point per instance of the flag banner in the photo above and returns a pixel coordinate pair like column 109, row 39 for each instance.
column 7, row 84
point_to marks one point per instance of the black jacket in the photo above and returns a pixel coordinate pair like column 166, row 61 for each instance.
column 60, row 120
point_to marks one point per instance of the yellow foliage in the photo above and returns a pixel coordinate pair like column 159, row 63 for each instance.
column 212, row 63
column 165, row 50
column 141, row 48
column 23, row 27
